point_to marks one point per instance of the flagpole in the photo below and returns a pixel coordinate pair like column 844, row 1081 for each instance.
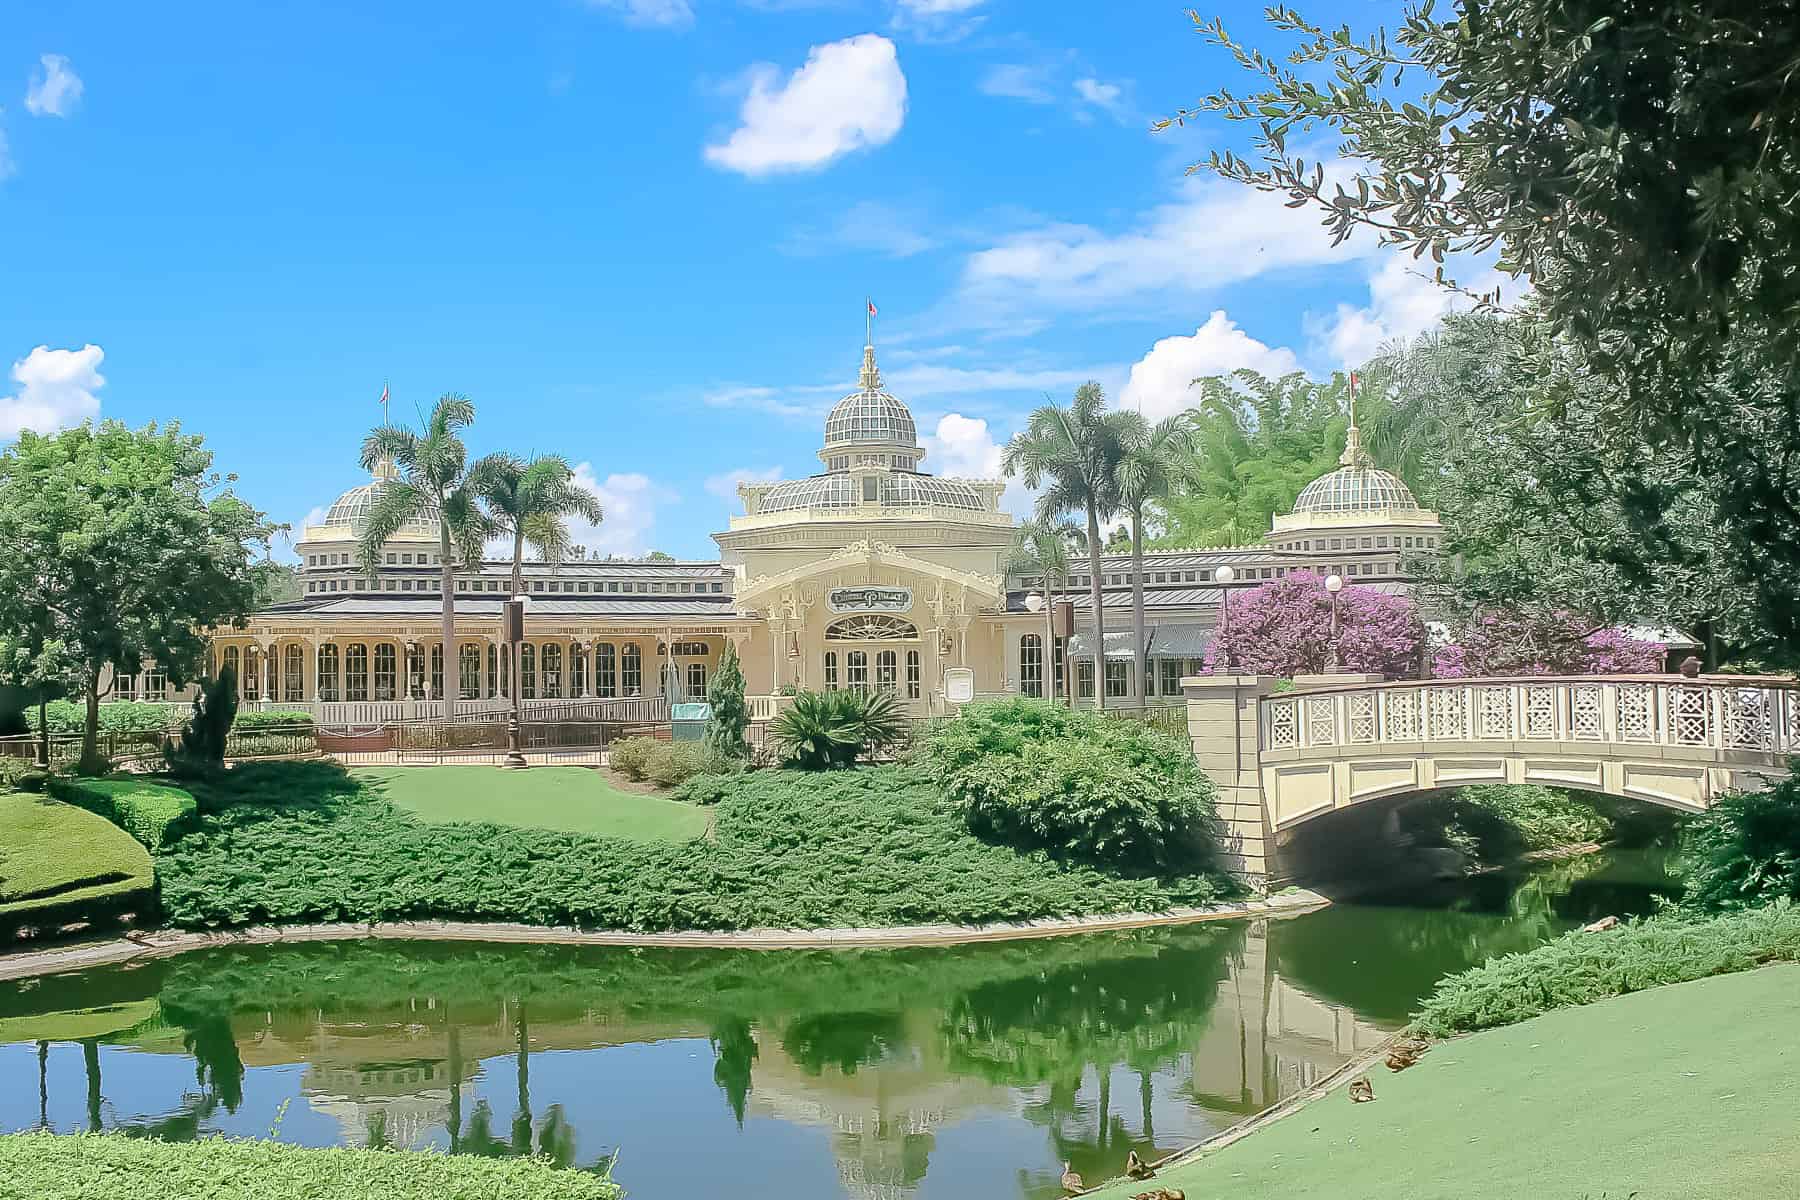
column 869, row 322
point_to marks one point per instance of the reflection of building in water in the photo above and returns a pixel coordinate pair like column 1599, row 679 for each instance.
column 1268, row 1039
column 399, row 1104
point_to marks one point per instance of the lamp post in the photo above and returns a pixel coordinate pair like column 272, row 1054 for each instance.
column 513, row 627
column 1034, row 603
column 1333, row 584
column 1224, row 577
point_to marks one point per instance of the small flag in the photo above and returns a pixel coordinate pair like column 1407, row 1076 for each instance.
column 384, row 395
column 1353, row 378
column 872, row 308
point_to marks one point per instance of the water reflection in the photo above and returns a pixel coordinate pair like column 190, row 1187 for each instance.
column 936, row 1073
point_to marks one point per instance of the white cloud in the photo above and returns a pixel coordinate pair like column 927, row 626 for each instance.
column 870, row 226
column 1161, row 382
column 933, row 379
column 1106, row 96
column 725, row 484
column 666, row 14
column 56, row 390
column 1033, row 83
column 55, row 90
column 939, row 8
column 848, row 96
column 941, row 20
column 963, row 447
column 630, row 502
column 1404, row 301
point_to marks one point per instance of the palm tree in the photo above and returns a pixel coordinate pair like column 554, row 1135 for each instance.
column 1151, row 460
column 1042, row 548
column 530, row 502
column 427, row 476
column 1070, row 453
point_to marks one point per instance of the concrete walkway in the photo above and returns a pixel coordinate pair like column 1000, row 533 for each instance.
column 161, row 944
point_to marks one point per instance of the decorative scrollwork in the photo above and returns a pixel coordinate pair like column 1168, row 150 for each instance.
column 871, row 627
column 1444, row 711
column 1746, row 719
column 1401, row 721
column 1587, row 711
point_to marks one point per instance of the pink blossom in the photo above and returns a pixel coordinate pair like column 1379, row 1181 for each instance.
column 1283, row 628
column 1506, row 642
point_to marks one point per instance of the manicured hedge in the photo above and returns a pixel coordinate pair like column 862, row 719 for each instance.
column 246, row 722
column 116, row 716
column 46, row 1166
column 1580, row 968
column 152, row 813
column 60, row 864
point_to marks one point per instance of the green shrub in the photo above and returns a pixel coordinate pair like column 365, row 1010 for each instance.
column 246, row 722
column 729, row 713
column 1745, row 850
column 48, row 1166
column 667, row 763
column 1580, row 968
column 708, row 789
column 151, row 813
column 1035, row 775
column 201, row 747
column 1494, row 822
column 630, row 757
column 64, row 864
column 832, row 730
column 116, row 716
column 21, row 775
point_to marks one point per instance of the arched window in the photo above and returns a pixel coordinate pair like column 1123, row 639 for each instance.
column 293, row 673
column 578, row 671
column 856, row 670
column 1031, row 665
column 250, row 678
column 356, row 671
column 328, row 671
column 871, row 627
column 831, row 678
column 437, row 671
column 385, row 671
column 230, row 659
column 527, row 672
column 887, row 671
column 468, row 671
column 552, row 669
column 631, row 671
column 912, row 674
column 493, row 679
column 606, row 682
column 696, row 681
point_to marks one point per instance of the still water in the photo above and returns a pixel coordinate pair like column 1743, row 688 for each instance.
column 966, row 1072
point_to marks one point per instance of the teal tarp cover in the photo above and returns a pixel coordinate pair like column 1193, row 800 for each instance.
column 690, row 712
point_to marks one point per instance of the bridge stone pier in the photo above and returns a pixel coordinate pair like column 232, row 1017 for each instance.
column 1280, row 760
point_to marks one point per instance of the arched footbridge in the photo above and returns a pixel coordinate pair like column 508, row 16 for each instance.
column 1282, row 760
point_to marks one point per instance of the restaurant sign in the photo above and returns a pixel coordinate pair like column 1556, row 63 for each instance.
column 869, row 599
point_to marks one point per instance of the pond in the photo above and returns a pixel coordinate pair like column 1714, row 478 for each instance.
column 964, row 1072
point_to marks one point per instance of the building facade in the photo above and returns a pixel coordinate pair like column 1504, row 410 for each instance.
column 872, row 573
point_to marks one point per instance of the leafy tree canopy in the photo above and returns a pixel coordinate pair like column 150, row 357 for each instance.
column 1283, row 628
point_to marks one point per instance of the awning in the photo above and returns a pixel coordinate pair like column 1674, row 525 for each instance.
column 1118, row 645
column 1180, row 641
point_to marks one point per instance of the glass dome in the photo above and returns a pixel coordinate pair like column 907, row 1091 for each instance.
column 1355, row 489
column 898, row 490
column 353, row 508
column 869, row 415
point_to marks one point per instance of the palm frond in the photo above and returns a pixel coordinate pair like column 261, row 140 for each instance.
column 395, row 505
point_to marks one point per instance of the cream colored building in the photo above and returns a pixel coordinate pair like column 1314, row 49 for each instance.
column 870, row 573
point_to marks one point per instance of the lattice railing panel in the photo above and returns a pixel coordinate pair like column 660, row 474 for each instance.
column 1362, row 712
column 1321, row 721
column 1494, row 712
column 1637, row 712
column 1540, row 711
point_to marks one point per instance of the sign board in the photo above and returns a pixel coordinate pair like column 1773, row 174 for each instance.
column 959, row 685
column 1063, row 619
column 869, row 598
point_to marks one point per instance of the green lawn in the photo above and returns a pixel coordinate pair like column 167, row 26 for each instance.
column 53, row 853
column 569, row 799
column 1678, row 1092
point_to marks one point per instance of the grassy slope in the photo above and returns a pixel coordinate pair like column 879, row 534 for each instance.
column 1678, row 1092
column 56, row 851
column 88, row 1166
column 571, row 799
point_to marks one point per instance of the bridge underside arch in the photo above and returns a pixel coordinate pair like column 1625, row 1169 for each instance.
column 1299, row 786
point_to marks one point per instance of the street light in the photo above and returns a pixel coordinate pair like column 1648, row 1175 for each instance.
column 1223, row 577
column 513, row 630
column 1333, row 584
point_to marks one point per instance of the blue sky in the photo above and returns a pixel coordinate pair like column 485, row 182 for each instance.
column 636, row 232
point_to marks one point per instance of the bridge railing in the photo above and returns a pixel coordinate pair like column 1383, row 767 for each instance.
column 1713, row 712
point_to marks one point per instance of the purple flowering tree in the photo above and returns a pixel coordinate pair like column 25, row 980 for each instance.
column 1558, row 642
column 1283, row 628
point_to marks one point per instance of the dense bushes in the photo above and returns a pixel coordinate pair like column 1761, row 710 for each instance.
column 116, row 716
column 823, row 731
column 149, row 812
column 250, row 722
column 48, row 1166
column 1580, row 968
column 21, row 774
column 1493, row 823
column 667, row 763
column 1037, row 775
column 1745, row 850
column 788, row 849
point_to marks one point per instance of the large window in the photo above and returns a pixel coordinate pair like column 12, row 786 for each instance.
column 250, row 679
column 468, row 671
column 385, row 664
column 328, row 671
column 1118, row 677
column 293, row 674
column 831, row 675
column 493, row 679
column 527, row 672
column 1031, row 665
column 1084, row 678
column 606, row 680
column 887, row 671
column 356, row 671
column 912, row 674
column 578, row 669
column 873, row 627
column 696, row 681
column 552, row 670
column 856, row 670
column 156, row 680
column 631, row 671
column 1170, row 671
column 437, row 671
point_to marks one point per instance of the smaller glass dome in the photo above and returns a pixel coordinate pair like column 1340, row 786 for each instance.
column 353, row 508
column 1355, row 489
column 870, row 415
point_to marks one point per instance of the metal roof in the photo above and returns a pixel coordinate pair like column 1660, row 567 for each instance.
column 705, row 607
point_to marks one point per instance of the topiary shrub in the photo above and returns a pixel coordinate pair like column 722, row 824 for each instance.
column 202, row 744
column 1037, row 776
column 1744, row 852
column 830, row 730
column 730, row 713
column 152, row 813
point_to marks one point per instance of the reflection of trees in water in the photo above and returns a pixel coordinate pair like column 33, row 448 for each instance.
column 734, row 1051
column 845, row 1040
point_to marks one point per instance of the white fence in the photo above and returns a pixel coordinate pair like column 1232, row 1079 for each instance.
column 1717, row 713
column 363, row 713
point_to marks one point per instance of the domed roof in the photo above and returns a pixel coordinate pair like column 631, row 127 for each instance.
column 353, row 508
column 898, row 490
column 1355, row 489
column 870, row 416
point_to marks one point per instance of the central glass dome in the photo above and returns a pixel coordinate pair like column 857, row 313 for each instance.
column 870, row 416
column 354, row 506
column 1355, row 489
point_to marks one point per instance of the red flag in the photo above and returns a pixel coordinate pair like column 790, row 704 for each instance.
column 872, row 308
column 384, row 395
column 1353, row 383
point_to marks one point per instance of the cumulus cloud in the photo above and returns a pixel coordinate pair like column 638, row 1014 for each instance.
column 849, row 95
column 630, row 502
column 55, row 88
column 1161, row 382
column 1404, row 301
column 55, row 390
column 964, row 447
column 725, row 484
column 666, row 14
